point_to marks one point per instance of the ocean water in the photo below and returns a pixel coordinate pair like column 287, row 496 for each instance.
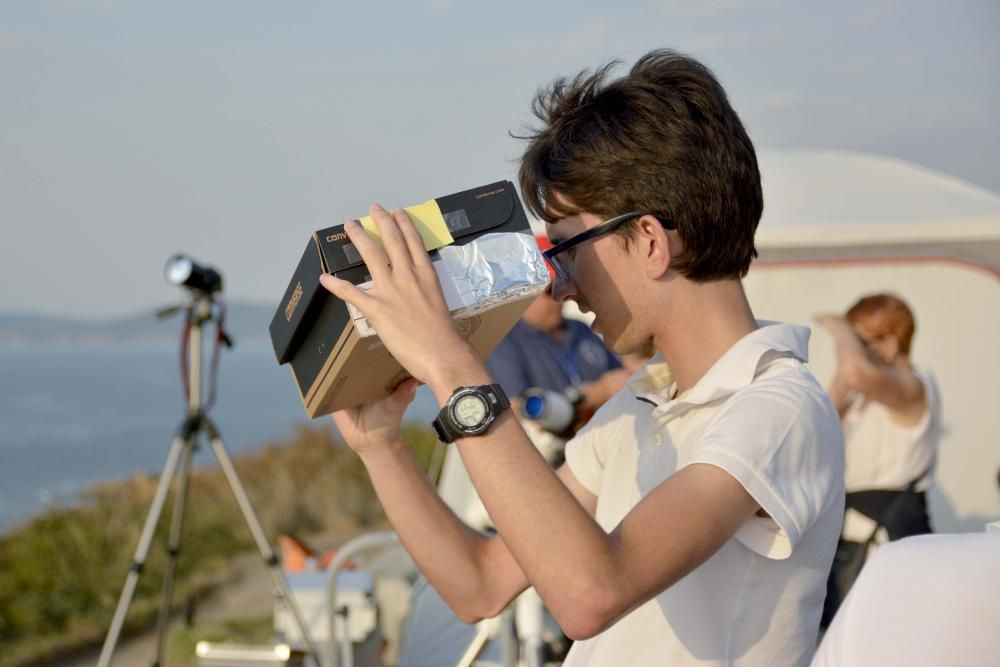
column 72, row 415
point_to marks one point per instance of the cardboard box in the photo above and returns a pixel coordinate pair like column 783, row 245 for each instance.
column 336, row 361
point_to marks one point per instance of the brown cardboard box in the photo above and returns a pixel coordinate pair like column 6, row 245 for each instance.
column 338, row 363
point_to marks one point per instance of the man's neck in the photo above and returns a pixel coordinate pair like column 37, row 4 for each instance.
column 705, row 320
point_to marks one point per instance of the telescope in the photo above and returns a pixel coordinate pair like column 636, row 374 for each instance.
column 554, row 411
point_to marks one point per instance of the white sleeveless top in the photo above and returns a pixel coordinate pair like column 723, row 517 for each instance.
column 881, row 454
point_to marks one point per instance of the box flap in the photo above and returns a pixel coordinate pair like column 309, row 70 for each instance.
column 300, row 304
column 467, row 215
column 474, row 212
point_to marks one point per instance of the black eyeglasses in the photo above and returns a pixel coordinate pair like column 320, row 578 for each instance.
column 559, row 265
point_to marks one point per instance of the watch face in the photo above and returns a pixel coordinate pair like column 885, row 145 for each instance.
column 470, row 411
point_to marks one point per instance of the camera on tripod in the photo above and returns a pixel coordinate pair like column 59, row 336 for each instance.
column 554, row 411
column 183, row 271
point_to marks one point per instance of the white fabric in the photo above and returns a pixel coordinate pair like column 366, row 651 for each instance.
column 762, row 417
column 922, row 601
column 881, row 453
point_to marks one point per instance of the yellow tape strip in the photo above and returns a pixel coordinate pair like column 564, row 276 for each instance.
column 428, row 220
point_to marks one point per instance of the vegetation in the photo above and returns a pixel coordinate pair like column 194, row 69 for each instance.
column 62, row 572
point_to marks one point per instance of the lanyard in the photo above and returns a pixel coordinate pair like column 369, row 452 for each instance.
column 565, row 358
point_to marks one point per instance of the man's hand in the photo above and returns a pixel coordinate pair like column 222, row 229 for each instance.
column 405, row 304
column 375, row 424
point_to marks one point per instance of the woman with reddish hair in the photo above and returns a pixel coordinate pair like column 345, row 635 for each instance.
column 891, row 416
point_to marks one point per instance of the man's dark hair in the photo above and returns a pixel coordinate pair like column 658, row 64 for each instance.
column 662, row 139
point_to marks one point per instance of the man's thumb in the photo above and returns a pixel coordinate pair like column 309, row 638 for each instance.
column 405, row 391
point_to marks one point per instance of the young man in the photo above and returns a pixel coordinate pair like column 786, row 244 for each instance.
column 696, row 517
column 891, row 414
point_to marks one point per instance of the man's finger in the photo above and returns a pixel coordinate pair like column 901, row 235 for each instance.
column 369, row 250
column 392, row 239
column 347, row 291
column 414, row 244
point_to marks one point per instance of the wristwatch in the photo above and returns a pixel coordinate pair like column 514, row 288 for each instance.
column 470, row 411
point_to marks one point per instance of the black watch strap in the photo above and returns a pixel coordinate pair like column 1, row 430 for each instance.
column 448, row 431
column 444, row 433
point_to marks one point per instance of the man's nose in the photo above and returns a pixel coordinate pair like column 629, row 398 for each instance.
column 562, row 289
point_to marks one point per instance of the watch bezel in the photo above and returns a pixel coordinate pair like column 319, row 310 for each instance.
column 483, row 425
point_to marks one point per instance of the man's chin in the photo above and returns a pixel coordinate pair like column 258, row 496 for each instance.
column 622, row 346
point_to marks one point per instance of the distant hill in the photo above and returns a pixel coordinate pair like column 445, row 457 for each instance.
column 244, row 322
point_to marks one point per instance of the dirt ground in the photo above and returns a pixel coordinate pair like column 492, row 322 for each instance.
column 249, row 595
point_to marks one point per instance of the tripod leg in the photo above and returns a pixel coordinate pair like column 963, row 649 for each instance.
column 258, row 533
column 139, row 560
column 173, row 548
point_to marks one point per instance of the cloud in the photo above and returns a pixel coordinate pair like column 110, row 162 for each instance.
column 441, row 5
column 793, row 117
column 989, row 59
column 891, row 62
column 88, row 6
column 586, row 38
column 713, row 43
column 12, row 40
column 873, row 15
column 685, row 10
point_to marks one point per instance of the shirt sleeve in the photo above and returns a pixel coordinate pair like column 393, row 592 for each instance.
column 780, row 438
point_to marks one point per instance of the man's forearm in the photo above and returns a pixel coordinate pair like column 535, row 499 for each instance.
column 449, row 553
column 565, row 554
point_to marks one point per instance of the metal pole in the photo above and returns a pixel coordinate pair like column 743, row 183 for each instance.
column 508, row 638
column 344, row 554
column 173, row 549
column 139, row 560
column 200, row 311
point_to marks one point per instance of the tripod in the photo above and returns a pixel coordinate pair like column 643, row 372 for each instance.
column 195, row 423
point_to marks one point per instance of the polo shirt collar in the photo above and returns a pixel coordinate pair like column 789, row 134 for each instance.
column 734, row 370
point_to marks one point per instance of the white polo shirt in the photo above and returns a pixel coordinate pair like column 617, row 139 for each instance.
column 882, row 454
column 762, row 417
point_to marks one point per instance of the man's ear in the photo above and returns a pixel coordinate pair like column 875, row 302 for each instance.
column 656, row 245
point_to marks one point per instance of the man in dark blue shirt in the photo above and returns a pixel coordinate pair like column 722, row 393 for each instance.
column 548, row 351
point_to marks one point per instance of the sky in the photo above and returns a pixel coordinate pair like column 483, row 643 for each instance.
column 232, row 129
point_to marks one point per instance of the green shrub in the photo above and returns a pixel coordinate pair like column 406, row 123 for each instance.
column 62, row 572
